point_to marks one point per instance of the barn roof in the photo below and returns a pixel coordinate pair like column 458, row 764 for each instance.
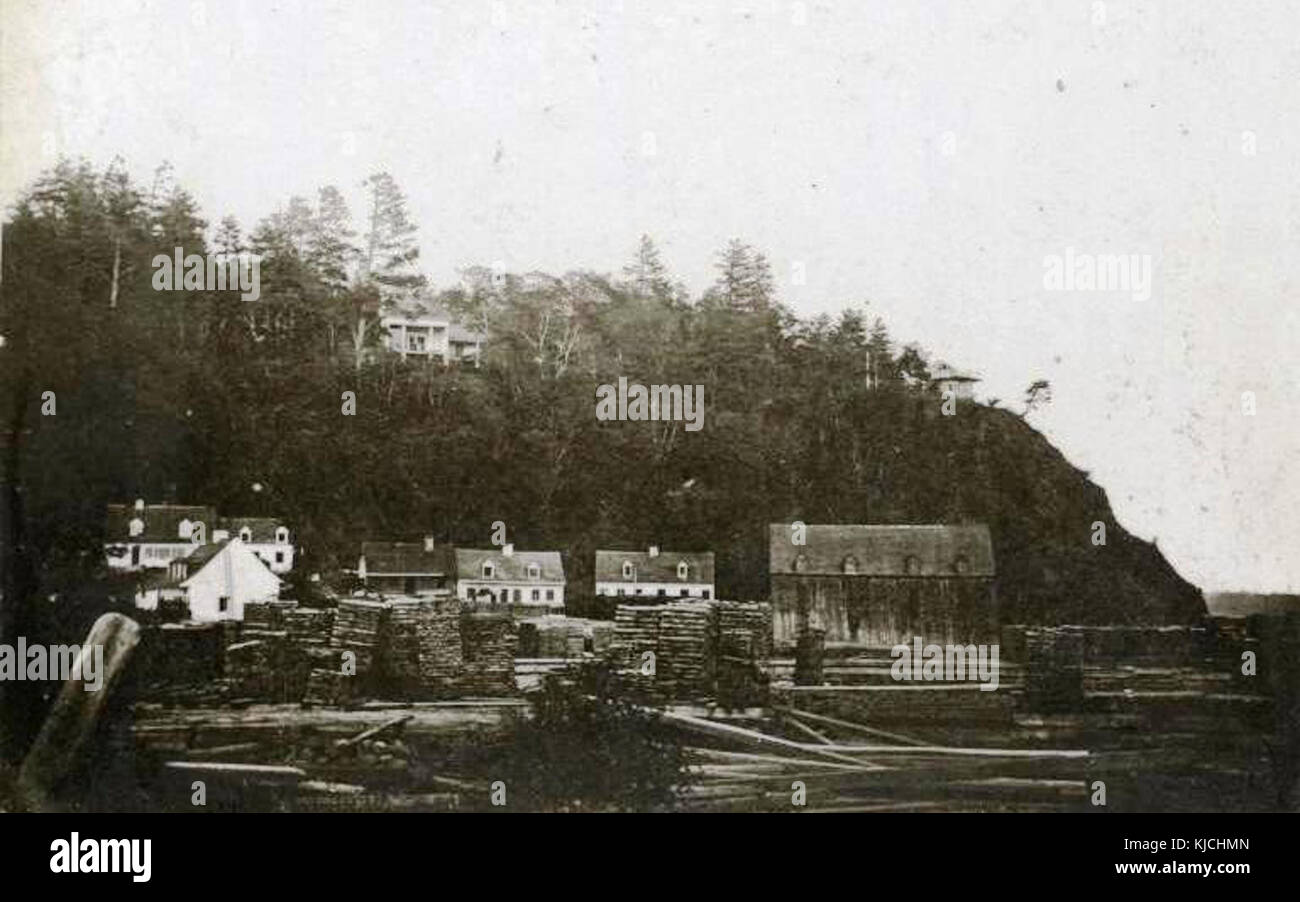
column 406, row 558
column 509, row 568
column 161, row 521
column 880, row 550
column 660, row 568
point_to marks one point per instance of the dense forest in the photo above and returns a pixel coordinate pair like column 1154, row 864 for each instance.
column 205, row 398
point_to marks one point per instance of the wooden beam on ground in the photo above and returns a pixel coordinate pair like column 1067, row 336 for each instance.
column 723, row 755
column 849, row 725
column 803, row 727
column 751, row 738
column 374, row 731
column 66, row 735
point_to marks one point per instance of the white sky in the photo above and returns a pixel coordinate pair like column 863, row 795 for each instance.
column 924, row 157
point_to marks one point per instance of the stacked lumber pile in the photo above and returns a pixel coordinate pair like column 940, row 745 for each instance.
column 269, row 614
column 488, row 642
column 309, row 627
column 686, row 655
column 359, row 627
column 401, row 646
column 636, row 633
column 1054, row 668
column 744, row 647
column 440, row 654
column 251, row 667
column 329, row 687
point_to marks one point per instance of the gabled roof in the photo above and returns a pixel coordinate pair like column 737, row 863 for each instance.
column 942, row 372
column 262, row 529
column 661, row 568
column 161, row 521
column 512, row 568
column 461, row 333
column 878, row 550
column 406, row 558
column 202, row 556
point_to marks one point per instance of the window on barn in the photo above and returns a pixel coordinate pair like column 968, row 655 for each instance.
column 136, row 527
column 489, row 571
column 911, row 565
column 850, row 564
column 682, row 570
column 800, row 563
column 223, row 604
column 627, row 569
column 245, row 535
column 961, row 564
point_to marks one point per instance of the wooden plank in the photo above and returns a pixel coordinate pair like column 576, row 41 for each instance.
column 67, row 732
column 371, row 733
column 802, row 727
column 849, row 725
column 751, row 737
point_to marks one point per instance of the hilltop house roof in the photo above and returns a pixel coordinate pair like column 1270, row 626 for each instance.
column 879, row 550
column 420, row 310
column 942, row 372
column 509, row 567
column 406, row 559
column 161, row 521
column 658, row 568
column 261, row 529
column 202, row 556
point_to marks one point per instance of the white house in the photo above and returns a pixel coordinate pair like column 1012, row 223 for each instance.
column 217, row 580
column 945, row 378
column 505, row 576
column 666, row 574
column 150, row 536
column 421, row 329
column 266, row 537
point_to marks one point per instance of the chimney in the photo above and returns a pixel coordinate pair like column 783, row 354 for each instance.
column 654, row 551
column 508, row 549
column 139, row 505
column 428, row 543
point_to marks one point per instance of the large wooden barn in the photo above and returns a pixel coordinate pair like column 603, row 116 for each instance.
column 882, row 585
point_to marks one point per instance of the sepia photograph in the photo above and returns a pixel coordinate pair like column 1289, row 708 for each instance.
column 646, row 407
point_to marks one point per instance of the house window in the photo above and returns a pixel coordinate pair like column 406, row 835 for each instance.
column 519, row 596
column 489, row 571
column 137, row 526
column 245, row 535
column 911, row 565
column 282, row 535
column 662, row 593
column 184, row 529
column 800, row 563
column 550, row 595
column 850, row 564
column 961, row 565
column 622, row 591
column 279, row 557
column 706, row 594
column 223, row 604
column 682, row 570
column 627, row 569
column 536, row 595
column 534, row 571
column 415, row 341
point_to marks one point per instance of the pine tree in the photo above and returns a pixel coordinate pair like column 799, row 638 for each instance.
column 647, row 273
column 329, row 247
column 390, row 248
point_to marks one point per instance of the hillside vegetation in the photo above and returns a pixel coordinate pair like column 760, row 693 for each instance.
column 204, row 397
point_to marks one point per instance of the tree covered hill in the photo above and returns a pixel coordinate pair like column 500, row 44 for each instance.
column 203, row 396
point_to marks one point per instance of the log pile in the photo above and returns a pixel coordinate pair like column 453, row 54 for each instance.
column 488, row 642
column 441, row 657
column 268, row 615
column 309, row 627
column 686, row 657
column 359, row 628
column 401, row 646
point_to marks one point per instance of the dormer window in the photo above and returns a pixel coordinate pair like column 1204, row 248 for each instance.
column 245, row 535
column 911, row 565
column 682, row 570
column 850, row 564
column 961, row 564
column 184, row 529
column 800, row 563
column 136, row 526
column 281, row 536
column 627, row 569
column 534, row 571
column 489, row 571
